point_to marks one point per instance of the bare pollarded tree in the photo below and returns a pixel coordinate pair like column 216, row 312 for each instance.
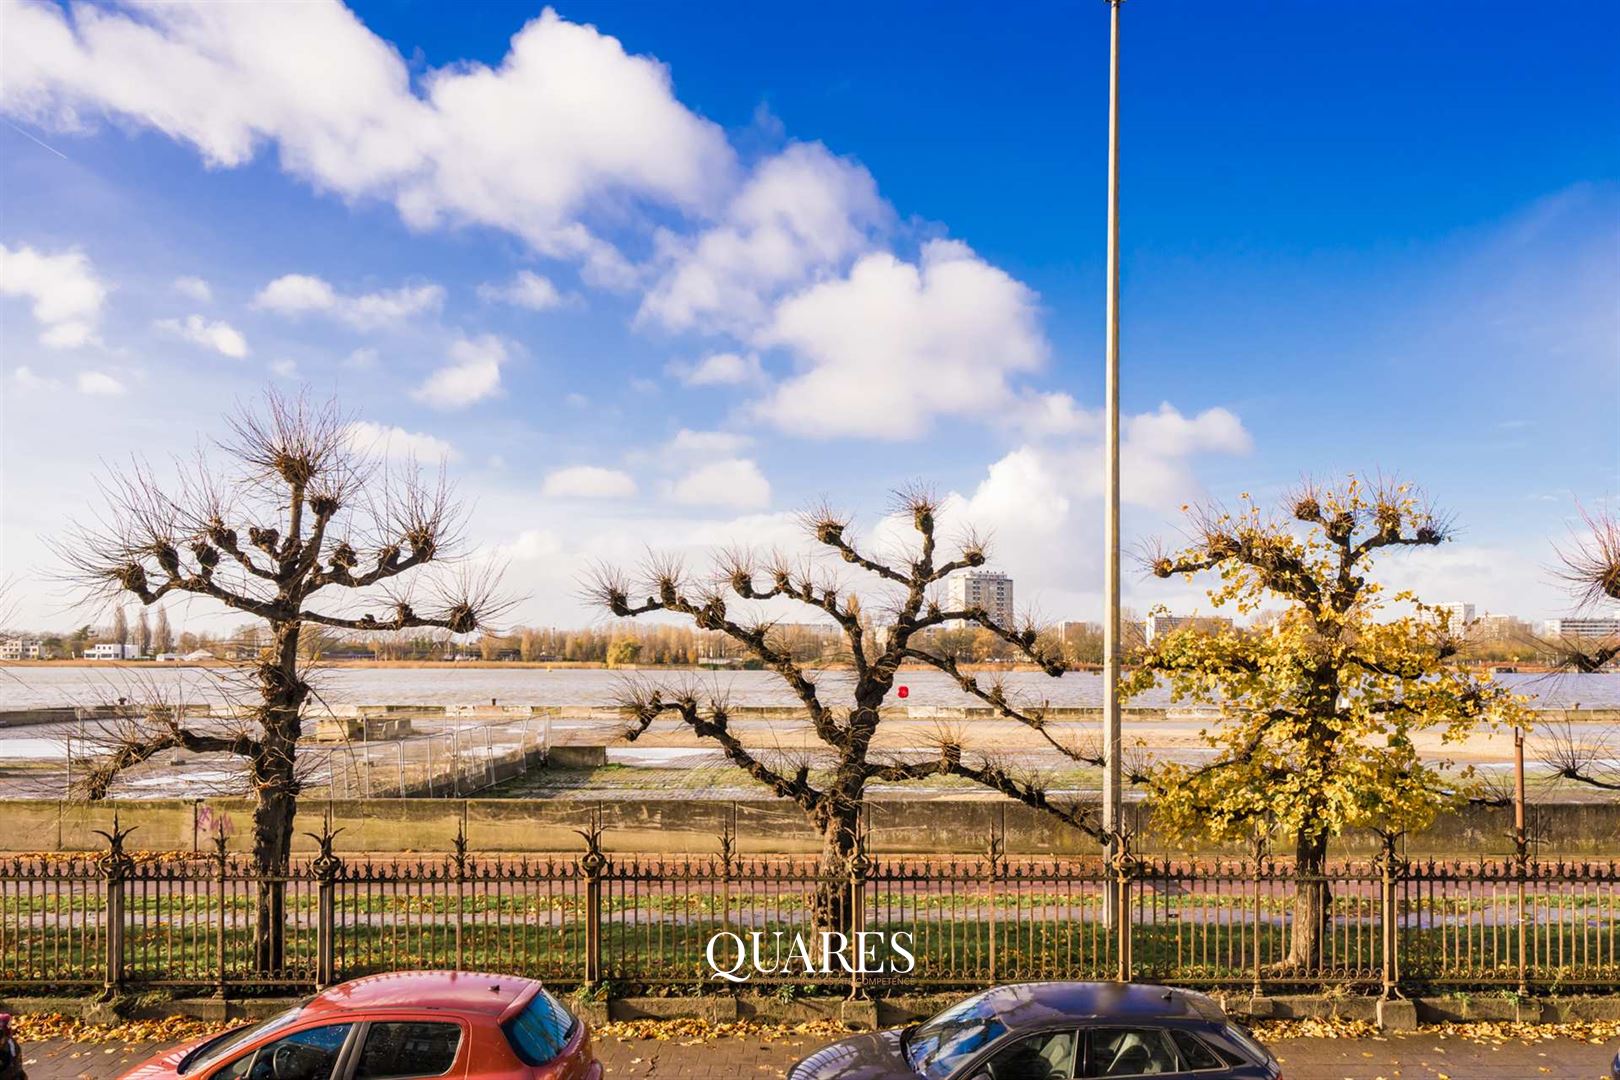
column 288, row 522
column 1590, row 567
column 890, row 628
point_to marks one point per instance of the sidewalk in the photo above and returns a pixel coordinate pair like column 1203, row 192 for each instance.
column 1422, row 1056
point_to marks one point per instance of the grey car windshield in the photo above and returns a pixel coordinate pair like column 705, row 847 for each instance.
column 936, row 1047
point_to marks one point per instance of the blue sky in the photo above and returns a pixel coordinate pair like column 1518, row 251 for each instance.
column 654, row 275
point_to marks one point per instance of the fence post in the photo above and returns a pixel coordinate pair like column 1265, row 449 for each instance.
column 221, row 842
column 859, row 867
column 592, row 863
column 460, row 861
column 326, row 867
column 115, row 867
column 1124, row 870
column 1389, row 916
column 1259, row 878
column 997, row 854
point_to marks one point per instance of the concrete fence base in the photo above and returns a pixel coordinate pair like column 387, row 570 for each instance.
column 1393, row 1015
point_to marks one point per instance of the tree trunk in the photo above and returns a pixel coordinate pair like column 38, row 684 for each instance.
column 1313, row 902
column 275, row 784
column 832, row 906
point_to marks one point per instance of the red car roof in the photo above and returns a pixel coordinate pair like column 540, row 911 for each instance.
column 457, row 991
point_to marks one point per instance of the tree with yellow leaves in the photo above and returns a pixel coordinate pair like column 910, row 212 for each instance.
column 1320, row 709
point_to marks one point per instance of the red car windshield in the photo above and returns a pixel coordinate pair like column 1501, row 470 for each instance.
column 221, row 1046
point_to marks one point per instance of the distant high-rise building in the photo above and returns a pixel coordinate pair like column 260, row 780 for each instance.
column 987, row 589
column 1583, row 628
column 1159, row 625
column 1462, row 613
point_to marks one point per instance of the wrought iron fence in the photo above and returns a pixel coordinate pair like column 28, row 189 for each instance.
column 124, row 922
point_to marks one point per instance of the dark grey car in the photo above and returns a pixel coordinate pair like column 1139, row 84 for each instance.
column 1055, row 1031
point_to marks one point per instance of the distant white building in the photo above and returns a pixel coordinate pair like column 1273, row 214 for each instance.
column 1462, row 614
column 985, row 589
column 20, row 649
column 1583, row 628
column 111, row 650
column 1159, row 625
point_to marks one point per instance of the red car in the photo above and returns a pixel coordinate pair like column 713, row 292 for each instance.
column 410, row 1024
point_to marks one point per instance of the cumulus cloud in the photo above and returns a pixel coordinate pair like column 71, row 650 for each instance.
column 801, row 213
column 689, row 443
column 98, row 384
column 567, row 123
column 588, row 482
column 526, row 290
column 194, row 288
column 26, row 378
column 736, row 483
column 894, row 345
column 395, row 443
column 1043, row 500
column 299, row 294
column 214, row 334
column 720, row 369
column 473, row 374
column 65, row 294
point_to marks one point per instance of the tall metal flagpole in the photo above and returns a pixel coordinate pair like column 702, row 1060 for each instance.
column 1111, row 624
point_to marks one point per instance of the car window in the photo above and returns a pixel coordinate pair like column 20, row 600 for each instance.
column 1194, row 1053
column 310, row 1054
column 540, row 1031
column 409, row 1048
column 1243, row 1039
column 1047, row 1056
column 1130, row 1051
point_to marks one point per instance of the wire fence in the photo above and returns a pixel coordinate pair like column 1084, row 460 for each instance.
column 125, row 922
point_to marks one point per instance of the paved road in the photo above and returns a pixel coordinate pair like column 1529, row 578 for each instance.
column 1411, row 1057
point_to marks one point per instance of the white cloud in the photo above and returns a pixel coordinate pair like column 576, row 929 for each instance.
column 194, row 288
column 216, row 334
column 886, row 350
column 1042, row 502
column 395, row 443
column 98, row 383
column 588, row 482
column 285, row 367
column 720, row 369
column 473, row 374
column 567, row 124
column 707, row 443
column 66, row 294
column 801, row 214
column 736, row 483
column 361, row 358
column 526, row 290
column 298, row 294
column 25, row 378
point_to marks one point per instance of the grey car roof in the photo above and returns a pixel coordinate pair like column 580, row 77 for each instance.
column 1020, row 1005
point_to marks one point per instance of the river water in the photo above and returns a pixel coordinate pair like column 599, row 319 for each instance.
column 27, row 687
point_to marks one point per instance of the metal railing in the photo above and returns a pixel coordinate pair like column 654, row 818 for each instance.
column 123, row 922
